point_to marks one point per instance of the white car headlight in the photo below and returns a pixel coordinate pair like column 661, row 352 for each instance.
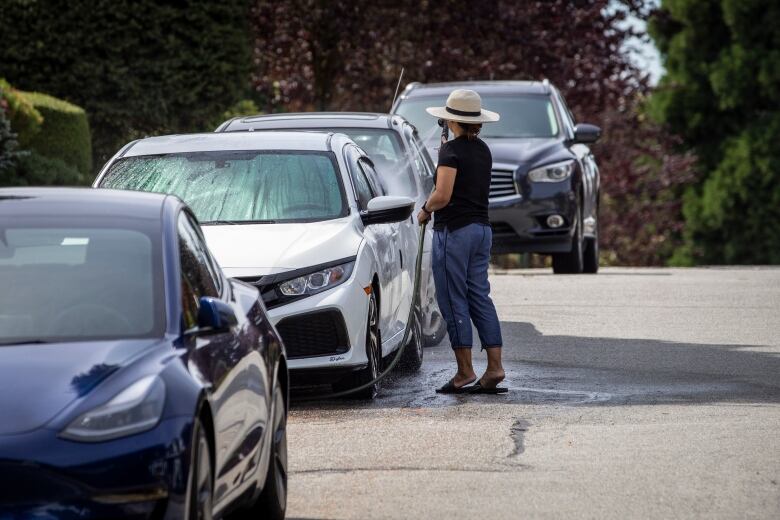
column 552, row 172
column 317, row 281
column 135, row 409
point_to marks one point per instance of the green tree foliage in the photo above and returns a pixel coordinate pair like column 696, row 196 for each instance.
column 138, row 67
column 721, row 94
column 64, row 133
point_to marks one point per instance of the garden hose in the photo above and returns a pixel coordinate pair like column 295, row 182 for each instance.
column 409, row 323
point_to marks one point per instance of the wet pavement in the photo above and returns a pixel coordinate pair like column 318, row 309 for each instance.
column 641, row 393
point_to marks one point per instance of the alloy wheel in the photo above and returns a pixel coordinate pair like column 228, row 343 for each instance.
column 373, row 352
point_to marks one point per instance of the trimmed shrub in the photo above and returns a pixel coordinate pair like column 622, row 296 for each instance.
column 25, row 120
column 8, row 144
column 34, row 169
column 64, row 133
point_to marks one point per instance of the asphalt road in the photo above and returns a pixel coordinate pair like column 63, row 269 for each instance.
column 635, row 393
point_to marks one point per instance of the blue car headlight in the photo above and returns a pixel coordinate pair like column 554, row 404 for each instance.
column 552, row 172
column 135, row 409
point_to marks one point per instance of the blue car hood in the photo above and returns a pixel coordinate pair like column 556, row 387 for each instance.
column 524, row 151
column 38, row 381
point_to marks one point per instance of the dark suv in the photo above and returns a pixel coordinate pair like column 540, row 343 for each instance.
column 544, row 193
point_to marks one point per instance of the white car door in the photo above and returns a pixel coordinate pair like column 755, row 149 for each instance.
column 397, row 247
column 423, row 168
column 378, row 237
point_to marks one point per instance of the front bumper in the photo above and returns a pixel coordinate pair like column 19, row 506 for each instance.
column 519, row 222
column 141, row 476
column 340, row 312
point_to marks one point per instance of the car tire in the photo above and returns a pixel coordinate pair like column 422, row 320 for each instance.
column 200, row 484
column 412, row 358
column 272, row 502
column 591, row 252
column 573, row 261
column 374, row 355
column 436, row 330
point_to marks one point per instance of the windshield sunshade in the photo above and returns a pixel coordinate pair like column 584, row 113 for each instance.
column 239, row 187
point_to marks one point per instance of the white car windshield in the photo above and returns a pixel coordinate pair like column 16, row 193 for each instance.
column 521, row 116
column 240, row 187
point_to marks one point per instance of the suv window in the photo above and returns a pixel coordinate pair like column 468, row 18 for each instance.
column 422, row 162
column 566, row 115
column 359, row 180
column 523, row 115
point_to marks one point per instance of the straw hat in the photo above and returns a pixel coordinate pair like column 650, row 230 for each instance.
column 464, row 106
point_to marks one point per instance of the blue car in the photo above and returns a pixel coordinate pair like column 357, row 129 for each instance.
column 136, row 380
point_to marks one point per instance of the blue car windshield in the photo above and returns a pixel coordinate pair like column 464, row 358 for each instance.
column 240, row 187
column 522, row 116
column 78, row 282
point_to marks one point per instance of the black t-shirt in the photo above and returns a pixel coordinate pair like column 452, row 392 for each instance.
column 469, row 202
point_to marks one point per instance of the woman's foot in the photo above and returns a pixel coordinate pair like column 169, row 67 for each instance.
column 491, row 378
column 494, row 373
column 460, row 379
column 465, row 374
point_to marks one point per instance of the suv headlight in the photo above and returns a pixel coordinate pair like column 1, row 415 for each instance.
column 317, row 281
column 135, row 409
column 555, row 172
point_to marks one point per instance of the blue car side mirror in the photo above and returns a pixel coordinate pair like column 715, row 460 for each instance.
column 215, row 314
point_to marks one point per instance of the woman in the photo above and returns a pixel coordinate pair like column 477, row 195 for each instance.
column 462, row 240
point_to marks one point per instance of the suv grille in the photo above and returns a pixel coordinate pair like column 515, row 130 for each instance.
column 321, row 333
column 502, row 183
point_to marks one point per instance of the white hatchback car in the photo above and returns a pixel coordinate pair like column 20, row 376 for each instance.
column 302, row 216
column 401, row 160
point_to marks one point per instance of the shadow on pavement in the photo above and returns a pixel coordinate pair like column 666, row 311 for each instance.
column 575, row 370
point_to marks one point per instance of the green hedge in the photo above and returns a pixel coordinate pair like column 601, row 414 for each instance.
column 64, row 133
column 33, row 169
column 8, row 143
column 25, row 120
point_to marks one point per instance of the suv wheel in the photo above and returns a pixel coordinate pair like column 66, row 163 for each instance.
column 437, row 328
column 573, row 261
column 412, row 358
column 591, row 253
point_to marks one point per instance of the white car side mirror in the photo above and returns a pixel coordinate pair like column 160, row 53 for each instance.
column 387, row 209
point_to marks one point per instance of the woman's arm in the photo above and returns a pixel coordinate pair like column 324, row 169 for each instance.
column 445, row 181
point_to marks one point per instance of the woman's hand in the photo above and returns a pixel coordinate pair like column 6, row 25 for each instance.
column 423, row 216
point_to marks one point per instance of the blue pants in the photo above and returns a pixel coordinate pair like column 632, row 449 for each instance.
column 460, row 273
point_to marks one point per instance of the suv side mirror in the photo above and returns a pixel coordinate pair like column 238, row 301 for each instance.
column 214, row 314
column 387, row 209
column 585, row 133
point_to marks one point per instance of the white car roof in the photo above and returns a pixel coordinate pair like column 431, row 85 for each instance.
column 309, row 141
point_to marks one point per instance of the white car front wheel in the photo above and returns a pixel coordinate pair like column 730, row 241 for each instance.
column 374, row 355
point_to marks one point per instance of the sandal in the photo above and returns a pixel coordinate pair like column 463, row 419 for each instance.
column 450, row 388
column 477, row 388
